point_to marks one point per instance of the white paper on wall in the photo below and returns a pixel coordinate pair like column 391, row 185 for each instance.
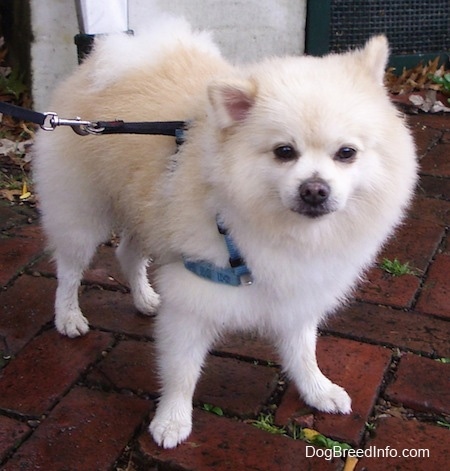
column 102, row 16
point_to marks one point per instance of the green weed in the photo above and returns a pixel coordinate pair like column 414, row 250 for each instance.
column 13, row 84
column 443, row 81
column 396, row 268
column 443, row 423
column 443, row 360
column 213, row 409
column 265, row 422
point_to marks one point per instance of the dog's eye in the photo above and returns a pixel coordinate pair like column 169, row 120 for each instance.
column 345, row 154
column 285, row 153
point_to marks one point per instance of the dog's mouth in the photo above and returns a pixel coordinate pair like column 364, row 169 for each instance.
column 314, row 198
column 313, row 212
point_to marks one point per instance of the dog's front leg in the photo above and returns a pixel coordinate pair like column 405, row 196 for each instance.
column 183, row 341
column 297, row 347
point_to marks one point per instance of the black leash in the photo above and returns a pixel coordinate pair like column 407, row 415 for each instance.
column 50, row 121
column 22, row 113
column 161, row 128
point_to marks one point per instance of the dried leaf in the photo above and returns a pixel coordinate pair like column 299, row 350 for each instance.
column 415, row 79
column 310, row 434
column 10, row 195
column 25, row 193
column 350, row 463
column 429, row 103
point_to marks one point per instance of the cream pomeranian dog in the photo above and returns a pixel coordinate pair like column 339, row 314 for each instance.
column 304, row 161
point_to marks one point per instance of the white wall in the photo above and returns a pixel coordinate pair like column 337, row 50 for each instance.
column 246, row 30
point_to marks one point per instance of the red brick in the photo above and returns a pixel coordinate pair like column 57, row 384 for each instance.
column 403, row 435
column 8, row 216
column 425, row 137
column 115, row 311
column 435, row 296
column 103, row 271
column 239, row 388
column 357, row 367
column 421, row 384
column 25, row 307
column 44, row 266
column 435, row 187
column 130, row 365
column 11, row 433
column 394, row 328
column 432, row 211
column 30, row 231
column 248, row 345
column 427, row 133
column 222, row 444
column 445, row 248
column 17, row 252
column 421, row 122
column 46, row 368
column 436, row 161
column 382, row 288
column 87, row 430
column 415, row 243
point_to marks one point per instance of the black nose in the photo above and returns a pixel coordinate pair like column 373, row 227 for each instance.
column 314, row 191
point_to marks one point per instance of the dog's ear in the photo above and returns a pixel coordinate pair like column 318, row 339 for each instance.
column 231, row 100
column 375, row 56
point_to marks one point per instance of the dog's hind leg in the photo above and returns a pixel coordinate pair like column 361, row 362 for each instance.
column 72, row 254
column 69, row 319
column 134, row 266
column 74, row 235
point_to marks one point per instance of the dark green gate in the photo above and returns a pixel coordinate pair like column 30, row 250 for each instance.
column 417, row 30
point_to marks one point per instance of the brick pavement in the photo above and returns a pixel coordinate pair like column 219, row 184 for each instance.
column 84, row 404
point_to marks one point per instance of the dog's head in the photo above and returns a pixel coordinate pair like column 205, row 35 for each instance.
column 306, row 134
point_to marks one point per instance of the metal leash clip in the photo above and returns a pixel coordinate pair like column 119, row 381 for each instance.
column 79, row 126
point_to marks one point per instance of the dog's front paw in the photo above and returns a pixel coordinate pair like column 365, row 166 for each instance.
column 170, row 427
column 331, row 398
column 71, row 323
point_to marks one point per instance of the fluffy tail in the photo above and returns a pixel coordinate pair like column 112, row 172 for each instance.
column 115, row 54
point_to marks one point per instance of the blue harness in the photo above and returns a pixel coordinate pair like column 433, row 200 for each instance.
column 235, row 275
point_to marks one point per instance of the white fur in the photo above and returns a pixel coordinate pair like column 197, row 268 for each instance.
column 165, row 203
